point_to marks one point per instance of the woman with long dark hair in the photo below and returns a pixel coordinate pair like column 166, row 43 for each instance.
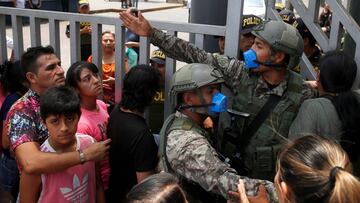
column 13, row 82
column 336, row 113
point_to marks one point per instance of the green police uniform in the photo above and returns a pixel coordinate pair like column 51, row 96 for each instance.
column 186, row 151
column 251, row 91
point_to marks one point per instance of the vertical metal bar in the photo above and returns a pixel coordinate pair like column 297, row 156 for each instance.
column 233, row 27
column 120, row 62
column 144, row 59
column 96, row 45
column 35, row 32
column 169, row 71
column 270, row 5
column 313, row 10
column 96, row 49
column 144, row 50
column 3, row 45
column 199, row 40
column 307, row 69
column 54, row 35
column 16, row 22
column 335, row 38
column 75, row 41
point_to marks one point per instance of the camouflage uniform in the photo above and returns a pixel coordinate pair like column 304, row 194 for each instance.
column 191, row 156
column 236, row 78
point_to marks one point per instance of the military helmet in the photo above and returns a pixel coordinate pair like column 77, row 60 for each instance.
column 282, row 37
column 191, row 77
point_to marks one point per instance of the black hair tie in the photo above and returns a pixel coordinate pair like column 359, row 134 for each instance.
column 332, row 177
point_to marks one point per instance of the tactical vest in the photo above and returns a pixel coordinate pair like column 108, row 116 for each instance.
column 260, row 151
column 194, row 192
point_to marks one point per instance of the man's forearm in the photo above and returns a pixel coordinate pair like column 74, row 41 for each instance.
column 179, row 49
column 43, row 162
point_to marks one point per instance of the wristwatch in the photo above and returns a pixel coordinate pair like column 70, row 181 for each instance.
column 82, row 156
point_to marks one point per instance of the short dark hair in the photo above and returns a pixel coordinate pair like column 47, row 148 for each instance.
column 30, row 57
column 161, row 187
column 139, row 87
column 12, row 78
column 59, row 100
column 73, row 73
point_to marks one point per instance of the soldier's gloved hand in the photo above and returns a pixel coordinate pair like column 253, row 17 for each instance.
column 138, row 25
column 243, row 198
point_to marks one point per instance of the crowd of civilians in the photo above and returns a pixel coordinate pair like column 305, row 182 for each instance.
column 61, row 143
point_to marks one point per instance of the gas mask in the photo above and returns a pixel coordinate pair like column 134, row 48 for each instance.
column 250, row 59
column 219, row 104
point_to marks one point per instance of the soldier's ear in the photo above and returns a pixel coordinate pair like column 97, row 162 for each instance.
column 279, row 57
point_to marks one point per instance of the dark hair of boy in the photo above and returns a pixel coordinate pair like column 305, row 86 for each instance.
column 161, row 187
column 139, row 88
column 30, row 57
column 59, row 100
column 73, row 73
column 12, row 79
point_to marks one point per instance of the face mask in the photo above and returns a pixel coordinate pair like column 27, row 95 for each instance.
column 219, row 103
column 250, row 59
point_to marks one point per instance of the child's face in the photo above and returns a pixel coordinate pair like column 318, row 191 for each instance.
column 89, row 84
column 62, row 128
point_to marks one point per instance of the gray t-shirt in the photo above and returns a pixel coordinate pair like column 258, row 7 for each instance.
column 316, row 116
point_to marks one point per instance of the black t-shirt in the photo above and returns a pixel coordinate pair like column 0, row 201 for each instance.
column 156, row 112
column 133, row 149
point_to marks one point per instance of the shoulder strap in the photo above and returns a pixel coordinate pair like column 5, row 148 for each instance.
column 262, row 115
column 163, row 139
column 163, row 133
column 295, row 87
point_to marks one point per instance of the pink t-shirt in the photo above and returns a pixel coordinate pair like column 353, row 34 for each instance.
column 94, row 124
column 75, row 184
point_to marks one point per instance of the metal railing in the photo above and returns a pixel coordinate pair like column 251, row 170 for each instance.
column 341, row 21
column 54, row 18
column 230, row 30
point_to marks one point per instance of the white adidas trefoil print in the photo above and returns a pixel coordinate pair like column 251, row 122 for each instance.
column 77, row 194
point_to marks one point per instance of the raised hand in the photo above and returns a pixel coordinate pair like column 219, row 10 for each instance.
column 138, row 25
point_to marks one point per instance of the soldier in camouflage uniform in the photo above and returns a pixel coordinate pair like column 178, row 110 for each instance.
column 277, row 48
column 185, row 146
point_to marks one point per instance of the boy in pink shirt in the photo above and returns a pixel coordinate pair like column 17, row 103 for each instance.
column 60, row 111
column 84, row 78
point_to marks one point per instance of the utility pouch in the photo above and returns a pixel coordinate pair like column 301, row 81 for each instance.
column 264, row 159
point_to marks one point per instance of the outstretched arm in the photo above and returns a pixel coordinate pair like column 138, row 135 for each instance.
column 181, row 50
column 173, row 47
column 196, row 160
column 34, row 161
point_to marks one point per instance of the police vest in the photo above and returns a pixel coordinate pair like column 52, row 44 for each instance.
column 194, row 192
column 260, row 151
